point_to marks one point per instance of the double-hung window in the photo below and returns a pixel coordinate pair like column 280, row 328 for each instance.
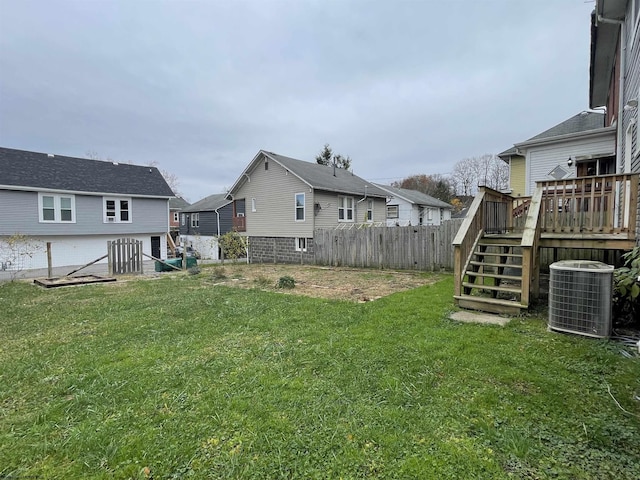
column 299, row 207
column 56, row 208
column 117, row 210
column 345, row 209
column 195, row 220
column 392, row 211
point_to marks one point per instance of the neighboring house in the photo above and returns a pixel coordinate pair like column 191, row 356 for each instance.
column 410, row 207
column 202, row 223
column 78, row 205
column 579, row 146
column 279, row 201
column 176, row 205
column 592, row 206
column 615, row 76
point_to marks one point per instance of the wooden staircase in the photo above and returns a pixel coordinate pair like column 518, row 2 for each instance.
column 492, row 279
column 498, row 270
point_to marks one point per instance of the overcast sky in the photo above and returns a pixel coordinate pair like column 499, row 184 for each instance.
column 402, row 87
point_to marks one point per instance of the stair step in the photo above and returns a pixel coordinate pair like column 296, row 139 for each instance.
column 493, row 243
column 489, row 264
column 493, row 305
column 494, row 275
column 497, row 254
column 510, row 241
column 494, row 288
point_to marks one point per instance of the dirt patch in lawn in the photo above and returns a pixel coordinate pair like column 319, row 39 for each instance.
column 360, row 285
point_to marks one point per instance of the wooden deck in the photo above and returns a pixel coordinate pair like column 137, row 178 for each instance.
column 582, row 213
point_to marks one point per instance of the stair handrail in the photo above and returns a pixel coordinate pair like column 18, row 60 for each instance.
column 466, row 236
column 530, row 243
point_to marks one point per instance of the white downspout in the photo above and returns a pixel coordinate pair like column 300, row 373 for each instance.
column 623, row 66
column 619, row 120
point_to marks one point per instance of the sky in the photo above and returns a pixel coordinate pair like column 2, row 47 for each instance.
column 198, row 87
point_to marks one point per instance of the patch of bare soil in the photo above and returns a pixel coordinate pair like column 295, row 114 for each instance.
column 359, row 285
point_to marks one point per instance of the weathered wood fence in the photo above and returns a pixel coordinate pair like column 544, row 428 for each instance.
column 125, row 256
column 407, row 248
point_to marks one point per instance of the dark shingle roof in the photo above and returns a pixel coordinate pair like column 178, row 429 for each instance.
column 178, row 203
column 32, row 170
column 416, row 197
column 582, row 122
column 321, row 177
column 210, row 203
column 507, row 153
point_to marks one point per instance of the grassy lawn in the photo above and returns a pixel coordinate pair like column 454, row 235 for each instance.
column 176, row 378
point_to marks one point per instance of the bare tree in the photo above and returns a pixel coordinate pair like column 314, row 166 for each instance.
column 436, row 185
column 488, row 170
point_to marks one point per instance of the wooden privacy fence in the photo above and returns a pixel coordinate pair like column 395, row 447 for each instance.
column 406, row 248
column 125, row 256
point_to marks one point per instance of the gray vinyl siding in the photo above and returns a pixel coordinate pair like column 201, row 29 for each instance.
column 208, row 222
column 274, row 190
column 226, row 222
column 632, row 90
column 327, row 216
column 20, row 215
column 544, row 158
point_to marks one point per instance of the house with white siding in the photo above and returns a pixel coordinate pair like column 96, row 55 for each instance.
column 279, row 201
column 583, row 178
column 78, row 205
column 410, row 207
column 202, row 223
column 578, row 146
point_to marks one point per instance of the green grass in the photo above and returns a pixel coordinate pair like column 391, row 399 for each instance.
column 176, row 378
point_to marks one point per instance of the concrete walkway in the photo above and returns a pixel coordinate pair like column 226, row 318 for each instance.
column 477, row 317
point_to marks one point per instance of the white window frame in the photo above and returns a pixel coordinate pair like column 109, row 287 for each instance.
column 118, row 210
column 195, row 220
column 184, row 219
column 390, row 209
column 57, row 207
column 343, row 208
column 253, row 205
column 299, row 207
column 301, row 244
column 369, row 213
column 176, row 217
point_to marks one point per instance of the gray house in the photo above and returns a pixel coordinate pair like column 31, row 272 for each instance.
column 410, row 207
column 279, row 201
column 78, row 205
column 202, row 223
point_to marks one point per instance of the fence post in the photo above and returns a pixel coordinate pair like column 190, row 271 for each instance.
column 49, row 263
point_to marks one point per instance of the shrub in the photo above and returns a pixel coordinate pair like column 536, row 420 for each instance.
column 233, row 245
column 626, row 297
column 286, row 282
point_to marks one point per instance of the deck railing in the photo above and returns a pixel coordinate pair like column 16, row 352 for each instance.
column 604, row 204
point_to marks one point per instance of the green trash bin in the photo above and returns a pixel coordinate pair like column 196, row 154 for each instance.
column 176, row 262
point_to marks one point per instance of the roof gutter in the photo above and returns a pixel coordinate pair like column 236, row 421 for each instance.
column 561, row 138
